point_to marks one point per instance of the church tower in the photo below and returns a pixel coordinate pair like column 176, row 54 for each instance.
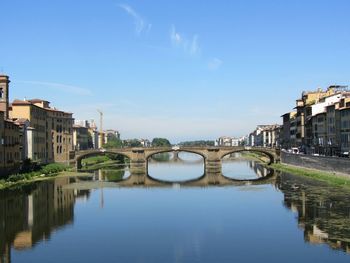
column 4, row 95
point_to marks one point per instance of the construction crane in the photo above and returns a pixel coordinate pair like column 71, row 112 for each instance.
column 101, row 119
column 101, row 128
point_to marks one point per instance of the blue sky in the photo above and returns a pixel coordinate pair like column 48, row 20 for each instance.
column 177, row 69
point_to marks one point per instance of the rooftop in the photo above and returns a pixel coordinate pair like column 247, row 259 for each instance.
column 33, row 102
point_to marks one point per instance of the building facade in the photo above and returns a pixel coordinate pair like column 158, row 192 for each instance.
column 10, row 136
column 50, row 137
column 320, row 121
column 81, row 138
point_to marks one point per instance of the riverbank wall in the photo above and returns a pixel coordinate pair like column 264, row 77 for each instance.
column 323, row 163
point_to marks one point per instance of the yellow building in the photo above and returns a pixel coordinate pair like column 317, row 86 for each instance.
column 52, row 130
column 60, row 125
column 37, row 117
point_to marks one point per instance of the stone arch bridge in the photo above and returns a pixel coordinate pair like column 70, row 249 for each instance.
column 212, row 156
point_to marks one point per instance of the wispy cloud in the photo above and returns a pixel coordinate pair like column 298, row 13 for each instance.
column 189, row 45
column 215, row 64
column 141, row 25
column 58, row 86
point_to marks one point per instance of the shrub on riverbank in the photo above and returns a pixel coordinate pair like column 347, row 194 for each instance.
column 46, row 170
column 53, row 168
column 98, row 162
column 95, row 160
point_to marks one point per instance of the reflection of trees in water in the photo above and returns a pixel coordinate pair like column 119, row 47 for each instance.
column 180, row 157
column 110, row 175
column 29, row 214
column 162, row 157
column 323, row 211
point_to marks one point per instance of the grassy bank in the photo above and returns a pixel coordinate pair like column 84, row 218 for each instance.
column 99, row 162
column 329, row 177
column 46, row 171
column 255, row 156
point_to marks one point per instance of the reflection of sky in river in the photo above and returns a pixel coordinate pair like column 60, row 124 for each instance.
column 216, row 224
column 190, row 166
column 242, row 169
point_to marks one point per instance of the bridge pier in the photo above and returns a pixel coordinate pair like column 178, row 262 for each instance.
column 138, row 162
column 213, row 163
column 213, row 166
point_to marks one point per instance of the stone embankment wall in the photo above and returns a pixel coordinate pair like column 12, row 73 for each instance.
column 330, row 164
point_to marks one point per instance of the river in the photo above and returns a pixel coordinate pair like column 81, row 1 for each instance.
column 177, row 214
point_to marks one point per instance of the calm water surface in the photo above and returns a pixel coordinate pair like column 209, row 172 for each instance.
column 199, row 218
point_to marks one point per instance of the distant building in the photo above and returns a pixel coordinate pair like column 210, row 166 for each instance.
column 288, row 130
column 81, row 138
column 265, row 136
column 92, row 136
column 110, row 135
column 145, row 143
column 228, row 141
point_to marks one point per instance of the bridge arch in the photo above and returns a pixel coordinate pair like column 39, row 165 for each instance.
column 149, row 155
column 78, row 160
column 179, row 150
column 266, row 153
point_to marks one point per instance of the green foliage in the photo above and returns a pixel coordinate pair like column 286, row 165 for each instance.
column 161, row 142
column 197, row 143
column 162, row 157
column 48, row 170
column 53, row 168
column 116, row 157
column 95, row 160
column 113, row 143
column 132, row 143
column 113, row 175
column 102, row 161
column 16, row 177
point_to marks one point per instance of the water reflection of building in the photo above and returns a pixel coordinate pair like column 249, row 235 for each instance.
column 29, row 217
column 259, row 169
column 323, row 212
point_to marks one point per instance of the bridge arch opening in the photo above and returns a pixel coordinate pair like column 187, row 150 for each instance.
column 247, row 165
column 175, row 166
column 262, row 155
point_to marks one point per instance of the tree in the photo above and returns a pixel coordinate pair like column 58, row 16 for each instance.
column 197, row 143
column 160, row 142
column 113, row 142
column 132, row 143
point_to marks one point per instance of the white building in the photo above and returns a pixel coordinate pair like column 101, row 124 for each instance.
column 227, row 141
column 145, row 143
column 265, row 136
